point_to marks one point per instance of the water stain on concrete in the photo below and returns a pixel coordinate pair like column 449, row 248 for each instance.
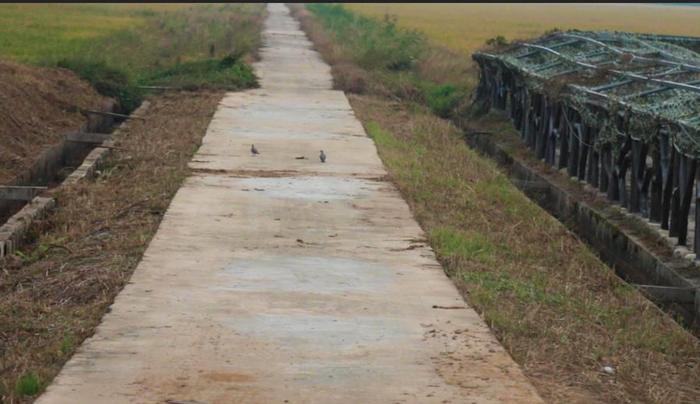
column 310, row 188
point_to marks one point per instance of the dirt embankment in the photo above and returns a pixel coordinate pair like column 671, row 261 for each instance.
column 37, row 107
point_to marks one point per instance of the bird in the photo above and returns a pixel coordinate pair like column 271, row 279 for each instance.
column 322, row 156
column 253, row 149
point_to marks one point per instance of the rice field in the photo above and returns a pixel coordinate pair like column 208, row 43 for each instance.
column 117, row 47
column 465, row 27
column 36, row 32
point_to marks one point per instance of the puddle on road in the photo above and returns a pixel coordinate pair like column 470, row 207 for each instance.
column 310, row 188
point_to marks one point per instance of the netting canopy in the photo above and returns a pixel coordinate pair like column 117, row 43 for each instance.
column 653, row 81
column 620, row 111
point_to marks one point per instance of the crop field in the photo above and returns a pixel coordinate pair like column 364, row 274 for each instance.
column 465, row 27
column 119, row 46
column 32, row 32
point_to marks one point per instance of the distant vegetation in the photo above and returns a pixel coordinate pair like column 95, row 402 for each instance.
column 118, row 47
column 398, row 60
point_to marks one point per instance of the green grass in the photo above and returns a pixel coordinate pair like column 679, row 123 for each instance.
column 373, row 44
column 119, row 47
column 28, row 385
column 67, row 345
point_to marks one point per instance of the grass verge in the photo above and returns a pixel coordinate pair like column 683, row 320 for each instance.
column 56, row 291
column 376, row 57
column 561, row 313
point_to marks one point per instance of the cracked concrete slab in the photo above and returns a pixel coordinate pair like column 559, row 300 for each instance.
column 276, row 279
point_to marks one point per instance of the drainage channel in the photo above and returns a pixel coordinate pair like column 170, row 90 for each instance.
column 21, row 201
column 621, row 241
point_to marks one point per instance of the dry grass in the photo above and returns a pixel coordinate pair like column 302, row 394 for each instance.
column 35, row 112
column 466, row 27
column 560, row 312
column 55, row 292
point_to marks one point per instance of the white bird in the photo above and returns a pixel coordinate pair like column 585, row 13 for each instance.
column 253, row 149
column 322, row 156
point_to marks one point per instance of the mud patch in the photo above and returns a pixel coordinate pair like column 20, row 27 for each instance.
column 228, row 377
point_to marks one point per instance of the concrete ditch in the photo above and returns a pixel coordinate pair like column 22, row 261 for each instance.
column 19, row 215
column 670, row 281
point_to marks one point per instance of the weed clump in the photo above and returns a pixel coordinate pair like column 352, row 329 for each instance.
column 28, row 385
column 107, row 80
column 497, row 41
column 229, row 72
column 443, row 99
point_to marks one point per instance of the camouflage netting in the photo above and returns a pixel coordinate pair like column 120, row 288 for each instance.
column 651, row 82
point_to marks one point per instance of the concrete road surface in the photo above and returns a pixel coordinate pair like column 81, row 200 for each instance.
column 274, row 279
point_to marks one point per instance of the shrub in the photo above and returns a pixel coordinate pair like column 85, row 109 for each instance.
column 349, row 78
column 499, row 40
column 107, row 80
column 229, row 72
column 442, row 99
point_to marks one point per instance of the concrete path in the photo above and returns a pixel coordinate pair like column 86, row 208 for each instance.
column 283, row 280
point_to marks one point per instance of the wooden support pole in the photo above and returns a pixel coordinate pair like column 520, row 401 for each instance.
column 675, row 196
column 624, row 162
column 687, row 178
column 542, row 131
column 656, row 185
column 585, row 146
column 563, row 139
column 696, row 233
column 668, row 157
column 638, row 163
column 593, row 159
column 605, row 167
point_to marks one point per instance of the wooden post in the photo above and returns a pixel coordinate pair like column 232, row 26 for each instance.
column 688, row 168
column 563, row 139
column 585, row 146
column 542, row 131
column 604, row 176
column 574, row 135
column 592, row 172
column 675, row 195
column 668, row 157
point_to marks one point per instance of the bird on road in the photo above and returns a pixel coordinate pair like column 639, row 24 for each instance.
column 322, row 156
column 253, row 150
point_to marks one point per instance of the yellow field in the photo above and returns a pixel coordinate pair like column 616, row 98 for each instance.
column 466, row 27
column 33, row 32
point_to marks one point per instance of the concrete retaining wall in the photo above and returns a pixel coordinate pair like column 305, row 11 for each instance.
column 52, row 159
column 12, row 232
